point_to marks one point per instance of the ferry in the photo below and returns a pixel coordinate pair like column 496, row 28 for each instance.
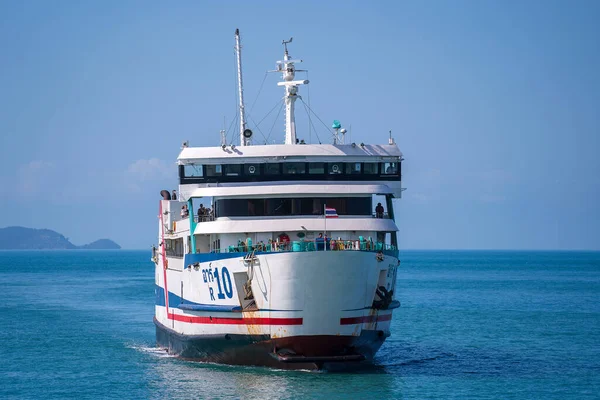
column 275, row 254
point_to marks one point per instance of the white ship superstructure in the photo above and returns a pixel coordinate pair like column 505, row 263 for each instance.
column 292, row 266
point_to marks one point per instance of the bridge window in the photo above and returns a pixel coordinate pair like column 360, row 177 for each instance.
column 233, row 170
column 298, row 171
column 353, row 168
column 193, row 170
column 389, row 168
column 214, row 170
column 272, row 169
column 292, row 168
column 316, row 168
column 370, row 168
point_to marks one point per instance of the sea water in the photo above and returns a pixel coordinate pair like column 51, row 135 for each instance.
column 473, row 324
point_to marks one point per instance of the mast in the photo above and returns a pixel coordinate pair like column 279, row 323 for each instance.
column 244, row 137
column 286, row 67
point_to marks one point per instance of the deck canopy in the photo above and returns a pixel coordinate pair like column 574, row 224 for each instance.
column 280, row 152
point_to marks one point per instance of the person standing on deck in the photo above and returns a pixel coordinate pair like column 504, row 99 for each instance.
column 379, row 211
column 202, row 211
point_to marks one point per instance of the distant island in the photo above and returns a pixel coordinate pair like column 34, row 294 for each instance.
column 20, row 238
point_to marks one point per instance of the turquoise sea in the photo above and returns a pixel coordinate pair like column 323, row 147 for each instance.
column 473, row 324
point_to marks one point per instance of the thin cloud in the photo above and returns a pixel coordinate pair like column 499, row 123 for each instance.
column 151, row 170
column 495, row 176
column 421, row 197
column 494, row 185
column 34, row 177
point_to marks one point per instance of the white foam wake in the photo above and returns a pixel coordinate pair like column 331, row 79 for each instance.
column 153, row 350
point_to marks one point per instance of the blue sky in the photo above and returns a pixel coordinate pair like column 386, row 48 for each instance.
column 496, row 106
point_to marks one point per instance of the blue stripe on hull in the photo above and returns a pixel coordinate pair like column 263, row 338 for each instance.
column 174, row 300
column 209, row 307
column 177, row 302
column 207, row 257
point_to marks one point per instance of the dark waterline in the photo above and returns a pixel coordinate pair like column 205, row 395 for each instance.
column 473, row 324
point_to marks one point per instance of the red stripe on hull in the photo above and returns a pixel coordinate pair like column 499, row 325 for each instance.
column 365, row 319
column 235, row 321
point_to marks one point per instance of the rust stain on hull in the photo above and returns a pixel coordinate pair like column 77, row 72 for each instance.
column 255, row 329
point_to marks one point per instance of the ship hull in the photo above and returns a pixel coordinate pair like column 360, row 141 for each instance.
column 319, row 352
column 311, row 310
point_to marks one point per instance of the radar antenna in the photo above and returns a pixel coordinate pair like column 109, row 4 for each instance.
column 288, row 70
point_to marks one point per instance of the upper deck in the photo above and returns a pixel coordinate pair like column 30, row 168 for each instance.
column 285, row 163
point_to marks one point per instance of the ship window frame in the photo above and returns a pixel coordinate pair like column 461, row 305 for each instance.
column 285, row 170
column 354, row 206
column 376, row 172
column 218, row 170
column 385, row 166
column 187, row 167
column 273, row 171
column 174, row 247
column 313, row 165
column 350, row 171
column 239, row 168
column 266, row 170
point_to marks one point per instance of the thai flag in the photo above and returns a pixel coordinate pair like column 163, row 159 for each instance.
column 330, row 212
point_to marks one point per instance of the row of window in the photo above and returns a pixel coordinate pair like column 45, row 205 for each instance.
column 291, row 170
column 287, row 206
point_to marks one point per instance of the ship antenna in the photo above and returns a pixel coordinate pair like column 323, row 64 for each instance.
column 245, row 134
column 286, row 67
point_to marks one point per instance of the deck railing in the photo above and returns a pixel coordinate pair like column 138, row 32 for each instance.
column 383, row 215
column 204, row 218
column 360, row 244
column 211, row 217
